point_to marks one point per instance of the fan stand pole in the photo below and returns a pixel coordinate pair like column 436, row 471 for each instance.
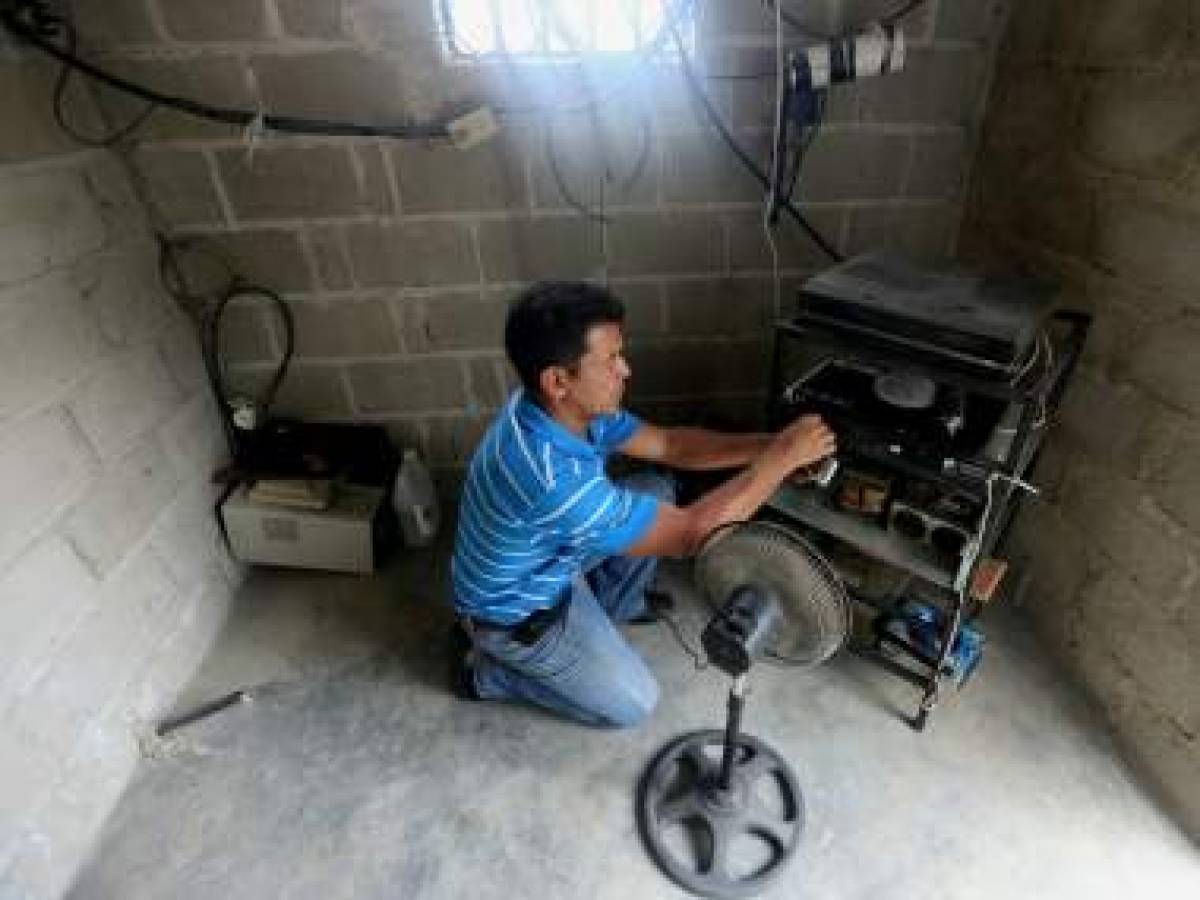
column 733, row 722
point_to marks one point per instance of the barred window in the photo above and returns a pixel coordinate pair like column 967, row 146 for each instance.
column 554, row 29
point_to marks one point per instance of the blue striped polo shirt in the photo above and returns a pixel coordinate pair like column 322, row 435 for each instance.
column 538, row 509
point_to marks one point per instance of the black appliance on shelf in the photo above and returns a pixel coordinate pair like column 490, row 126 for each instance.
column 941, row 385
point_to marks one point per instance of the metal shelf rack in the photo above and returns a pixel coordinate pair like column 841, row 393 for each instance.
column 988, row 481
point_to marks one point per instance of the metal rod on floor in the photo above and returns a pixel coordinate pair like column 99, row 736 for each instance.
column 166, row 726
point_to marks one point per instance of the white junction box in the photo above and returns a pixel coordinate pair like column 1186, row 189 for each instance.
column 343, row 538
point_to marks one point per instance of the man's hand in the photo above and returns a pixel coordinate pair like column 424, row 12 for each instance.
column 804, row 442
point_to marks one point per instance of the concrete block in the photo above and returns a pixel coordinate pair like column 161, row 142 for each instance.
column 177, row 658
column 645, row 311
column 1172, row 466
column 1042, row 31
column 1121, row 32
column 938, row 165
column 750, row 251
column 1139, row 124
column 437, row 177
column 1161, row 363
column 432, row 384
column 107, row 22
column 719, row 413
column 121, row 209
column 179, row 184
column 723, row 307
column 1029, row 107
column 330, row 84
column 314, row 19
column 1056, row 562
column 245, row 332
column 121, row 505
column 1047, row 202
column 29, row 775
column 854, row 165
column 123, row 294
column 1147, row 241
column 970, row 20
column 697, row 368
column 344, row 327
column 1114, row 438
column 327, row 246
column 385, row 22
column 194, row 438
column 1146, row 641
column 936, row 87
column 109, row 644
column 271, row 257
column 1127, row 528
column 1165, row 751
column 917, row 23
column 753, row 93
column 179, row 348
column 220, row 79
column 702, row 170
column 452, row 441
column 31, row 133
column 417, row 254
column 743, row 20
column 308, row 391
column 669, row 243
column 485, row 383
column 48, row 340
column 287, row 182
column 608, row 159
column 215, row 20
column 922, row 232
column 44, row 465
column 47, row 219
column 463, row 320
column 56, row 837
column 127, row 395
column 42, row 593
column 534, row 249
column 187, row 538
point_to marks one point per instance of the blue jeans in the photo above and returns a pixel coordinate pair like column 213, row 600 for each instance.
column 581, row 666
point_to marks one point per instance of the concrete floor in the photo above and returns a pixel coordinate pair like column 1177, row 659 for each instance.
column 354, row 774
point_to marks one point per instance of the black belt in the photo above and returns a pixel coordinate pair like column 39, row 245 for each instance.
column 529, row 630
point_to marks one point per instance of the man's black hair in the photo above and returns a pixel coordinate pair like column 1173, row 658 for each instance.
column 548, row 324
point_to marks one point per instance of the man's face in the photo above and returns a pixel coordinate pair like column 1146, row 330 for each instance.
column 598, row 382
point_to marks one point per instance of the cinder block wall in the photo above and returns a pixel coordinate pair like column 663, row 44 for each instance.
column 399, row 257
column 112, row 581
column 1088, row 176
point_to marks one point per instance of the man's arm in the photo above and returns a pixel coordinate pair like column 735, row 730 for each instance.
column 682, row 531
column 695, row 449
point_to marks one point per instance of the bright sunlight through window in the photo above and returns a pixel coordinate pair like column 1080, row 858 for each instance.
column 552, row 29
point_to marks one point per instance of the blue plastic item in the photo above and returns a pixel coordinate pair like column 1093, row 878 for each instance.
column 923, row 624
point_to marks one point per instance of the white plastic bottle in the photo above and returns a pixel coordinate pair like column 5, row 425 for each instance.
column 415, row 501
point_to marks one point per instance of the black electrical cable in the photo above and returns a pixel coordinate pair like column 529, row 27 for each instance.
column 227, row 115
column 212, row 347
column 60, row 90
column 714, row 117
column 174, row 282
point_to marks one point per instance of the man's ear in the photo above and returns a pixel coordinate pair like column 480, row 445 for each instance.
column 553, row 382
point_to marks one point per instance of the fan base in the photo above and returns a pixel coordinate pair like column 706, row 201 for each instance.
column 681, row 792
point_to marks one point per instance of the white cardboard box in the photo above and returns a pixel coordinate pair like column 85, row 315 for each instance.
column 342, row 538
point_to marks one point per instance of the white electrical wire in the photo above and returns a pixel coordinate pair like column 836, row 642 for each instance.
column 976, row 543
column 1041, row 419
column 773, row 186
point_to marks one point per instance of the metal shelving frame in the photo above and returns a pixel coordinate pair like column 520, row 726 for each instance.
column 1039, row 391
